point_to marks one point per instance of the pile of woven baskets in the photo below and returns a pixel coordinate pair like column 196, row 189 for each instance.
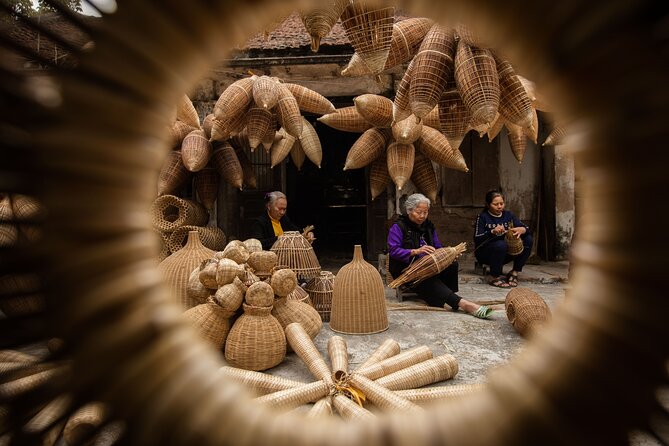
column 388, row 381
column 246, row 301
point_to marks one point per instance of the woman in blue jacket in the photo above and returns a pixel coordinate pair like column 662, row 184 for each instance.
column 490, row 245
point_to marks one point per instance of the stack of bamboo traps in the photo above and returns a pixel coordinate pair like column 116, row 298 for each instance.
column 388, row 381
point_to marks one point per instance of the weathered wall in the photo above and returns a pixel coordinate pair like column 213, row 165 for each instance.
column 565, row 208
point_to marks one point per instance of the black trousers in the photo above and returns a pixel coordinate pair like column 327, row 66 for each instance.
column 493, row 253
column 440, row 289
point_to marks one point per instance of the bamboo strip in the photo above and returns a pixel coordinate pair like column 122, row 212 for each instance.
column 259, row 383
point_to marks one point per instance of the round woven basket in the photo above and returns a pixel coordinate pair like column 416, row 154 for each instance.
column 301, row 295
column 262, row 262
column 295, row 251
column 514, row 245
column 288, row 311
column 256, row 340
column 211, row 321
column 358, row 298
column 169, row 212
column 526, row 310
column 320, row 290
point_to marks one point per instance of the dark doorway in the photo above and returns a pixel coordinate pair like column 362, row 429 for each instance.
column 331, row 199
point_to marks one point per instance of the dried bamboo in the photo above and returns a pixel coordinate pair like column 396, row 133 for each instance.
column 435, row 146
column 346, row 119
column 338, row 354
column 322, row 408
column 400, row 162
column 422, row 374
column 348, row 410
column 370, row 146
column 438, row 394
column 429, row 265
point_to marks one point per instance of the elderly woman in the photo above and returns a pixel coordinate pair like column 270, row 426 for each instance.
column 413, row 236
column 490, row 246
column 274, row 222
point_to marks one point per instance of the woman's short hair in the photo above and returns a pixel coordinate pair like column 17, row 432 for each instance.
column 491, row 195
column 271, row 197
column 414, row 200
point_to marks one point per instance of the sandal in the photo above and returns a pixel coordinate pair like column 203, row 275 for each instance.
column 483, row 312
column 512, row 279
column 499, row 283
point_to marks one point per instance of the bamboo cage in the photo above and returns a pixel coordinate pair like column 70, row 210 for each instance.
column 320, row 291
column 432, row 118
column 319, row 20
column 376, row 109
column 310, row 143
column 526, row 311
column 369, row 30
column 368, row 147
column 177, row 132
column 227, row 165
column 401, row 105
column 257, row 382
column 517, row 140
column 400, row 162
column 429, row 265
column 431, row 371
column 379, row 177
column 423, row 176
column 310, row 101
column 282, row 147
column 478, row 83
column 211, row 322
column 435, row 146
column 514, row 103
column 408, row 130
column 265, row 92
column 205, row 184
column 186, row 112
column 556, row 135
column 258, row 125
column 387, row 349
column 234, row 100
column 288, row 112
column 297, row 155
column 169, row 212
column 454, row 117
column 195, row 151
column 346, row 119
column 295, row 251
column 173, row 174
column 212, row 237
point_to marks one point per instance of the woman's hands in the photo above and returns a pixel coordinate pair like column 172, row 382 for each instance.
column 498, row 230
column 517, row 232
column 425, row 249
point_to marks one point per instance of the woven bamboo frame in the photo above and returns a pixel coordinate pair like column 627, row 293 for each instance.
column 400, row 158
column 477, row 81
column 234, row 99
column 349, row 410
column 173, row 174
column 265, row 92
column 556, row 135
column 346, row 119
column 320, row 291
column 406, row 39
column 310, row 101
column 195, row 151
column 376, row 109
column 514, row 103
column 300, row 341
column 338, row 354
column 249, row 179
column 290, row 311
column 539, row 101
column 429, row 265
column 259, row 383
column 322, row 408
column 431, row 371
column 271, row 135
column 281, row 148
column 300, row 294
column 565, row 350
column 211, row 321
column 465, row 34
column 432, row 118
column 9, row 233
column 319, row 20
column 288, row 112
column 212, row 237
column 454, row 117
column 295, row 397
column 435, row 146
column 227, row 165
column 401, row 105
column 295, row 251
column 369, row 30
column 259, row 123
column 370, row 146
column 387, row 349
column 517, row 140
column 297, row 155
column 378, row 176
column 207, row 124
column 424, row 177
column 433, row 67
column 178, row 131
column 205, row 184
column 526, row 311
column 311, row 144
column 169, row 212
column 496, row 127
column 186, row 112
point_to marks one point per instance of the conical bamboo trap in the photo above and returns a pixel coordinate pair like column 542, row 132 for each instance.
column 369, row 29
column 429, row 265
column 140, row 304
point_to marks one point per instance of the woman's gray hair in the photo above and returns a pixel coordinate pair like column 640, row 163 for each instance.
column 414, row 200
column 271, row 197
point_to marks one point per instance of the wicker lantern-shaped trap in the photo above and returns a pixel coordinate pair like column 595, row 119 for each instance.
column 358, row 298
column 526, row 310
column 429, row 265
column 320, row 289
column 294, row 251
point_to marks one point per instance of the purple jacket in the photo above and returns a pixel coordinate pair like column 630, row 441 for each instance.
column 400, row 253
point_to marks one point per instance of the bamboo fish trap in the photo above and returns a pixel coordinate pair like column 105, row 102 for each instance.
column 429, row 265
column 295, row 251
column 370, row 31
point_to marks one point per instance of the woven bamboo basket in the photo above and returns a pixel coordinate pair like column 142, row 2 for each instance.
column 514, row 103
column 288, row 399
column 300, row 294
column 176, row 268
column 532, row 132
column 356, row 66
column 310, row 101
column 259, row 123
column 349, row 410
column 283, row 281
column 496, row 127
column 227, row 165
column 376, row 109
column 338, row 354
column 422, row 374
column 234, row 100
column 368, row 147
column 249, row 179
column 387, row 349
column 289, row 311
column 539, row 101
column 9, row 233
column 260, row 294
column 169, row 212
column 526, row 311
column 21, row 295
column 265, row 92
column 400, row 159
column 346, row 119
column 429, row 265
column 454, row 117
column 186, row 112
column 438, row 394
column 252, row 245
column 270, row 135
column 381, row 397
column 369, row 30
column 407, row 36
column 435, row 146
column 84, row 423
column 236, row 251
column 311, row 144
column 297, row 155
column 8, row 355
column 207, row 274
column 211, row 322
column 379, row 178
column 262, row 262
column 514, row 245
column 224, row 129
column 432, row 118
column 358, row 299
column 230, row 297
column 249, row 278
column 281, row 148
column 395, row 363
column 433, row 67
column 288, row 112
column 177, row 132
column 424, row 177
column 517, row 140
column 300, row 341
column 319, row 20
column 195, row 150
column 207, row 124
column 295, row 251
column 195, row 289
column 257, row 382
column 556, row 136
column 408, row 130
column 205, row 184
column 477, row 81
column 320, row 289
column 322, row 408
column 401, row 105
column 29, row 214
column 256, row 340
column 173, row 174
column 227, row 270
